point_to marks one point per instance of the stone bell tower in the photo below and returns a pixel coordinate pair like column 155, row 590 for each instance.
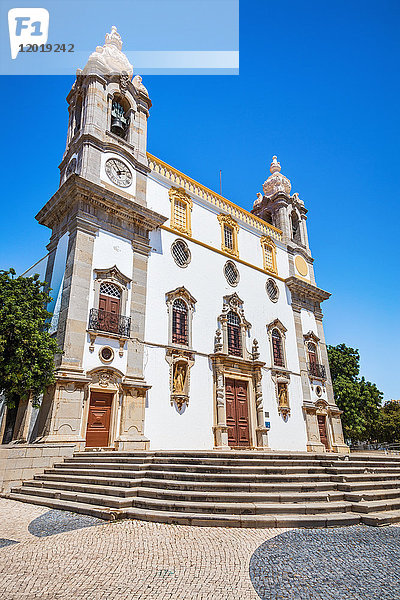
column 100, row 237
column 287, row 212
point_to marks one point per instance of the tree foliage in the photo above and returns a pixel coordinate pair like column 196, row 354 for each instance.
column 360, row 400
column 26, row 348
column 388, row 426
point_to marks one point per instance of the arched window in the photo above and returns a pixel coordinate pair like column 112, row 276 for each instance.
column 234, row 334
column 109, row 307
column 78, row 114
column 180, row 322
column 119, row 120
column 296, row 233
column 312, row 353
column 277, row 348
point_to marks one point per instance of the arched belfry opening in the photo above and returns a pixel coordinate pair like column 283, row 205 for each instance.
column 119, row 116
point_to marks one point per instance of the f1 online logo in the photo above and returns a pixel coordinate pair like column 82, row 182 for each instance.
column 27, row 26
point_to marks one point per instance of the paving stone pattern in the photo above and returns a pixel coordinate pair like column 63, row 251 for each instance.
column 352, row 563
column 129, row 560
column 59, row 521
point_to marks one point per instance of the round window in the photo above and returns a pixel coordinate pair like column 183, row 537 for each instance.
column 181, row 253
column 231, row 273
column 106, row 354
column 272, row 290
column 319, row 391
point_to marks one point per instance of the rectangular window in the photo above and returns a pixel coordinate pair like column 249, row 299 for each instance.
column 228, row 237
column 268, row 258
column 180, row 209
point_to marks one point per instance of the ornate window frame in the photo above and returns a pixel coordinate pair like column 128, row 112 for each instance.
column 268, row 243
column 232, row 303
column 311, row 337
column 180, row 195
column 189, row 257
column 111, row 275
column 180, row 293
column 276, row 324
column 228, row 221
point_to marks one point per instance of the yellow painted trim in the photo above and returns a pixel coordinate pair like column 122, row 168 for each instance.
column 265, row 242
column 239, row 260
column 191, row 185
column 227, row 221
column 180, row 194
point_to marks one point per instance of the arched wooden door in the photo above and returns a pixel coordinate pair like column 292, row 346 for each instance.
column 237, row 412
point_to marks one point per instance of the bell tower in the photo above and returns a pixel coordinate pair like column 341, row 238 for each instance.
column 99, row 245
column 108, row 112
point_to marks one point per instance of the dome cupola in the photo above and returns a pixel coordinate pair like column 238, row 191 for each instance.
column 276, row 182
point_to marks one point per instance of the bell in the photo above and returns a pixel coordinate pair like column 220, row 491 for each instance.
column 118, row 121
column 117, row 126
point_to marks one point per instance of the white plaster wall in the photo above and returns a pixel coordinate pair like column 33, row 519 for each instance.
column 109, row 250
column 205, row 280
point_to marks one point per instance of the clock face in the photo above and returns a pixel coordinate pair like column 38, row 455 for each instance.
column 118, row 172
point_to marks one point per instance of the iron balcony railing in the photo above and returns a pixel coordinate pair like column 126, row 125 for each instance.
column 317, row 370
column 102, row 320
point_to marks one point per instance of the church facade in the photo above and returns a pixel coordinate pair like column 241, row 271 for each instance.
column 185, row 321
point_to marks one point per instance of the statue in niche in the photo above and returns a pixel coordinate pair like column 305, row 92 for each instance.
column 179, row 378
column 283, row 399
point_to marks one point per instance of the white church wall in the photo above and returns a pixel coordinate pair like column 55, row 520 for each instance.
column 109, row 250
column 205, row 280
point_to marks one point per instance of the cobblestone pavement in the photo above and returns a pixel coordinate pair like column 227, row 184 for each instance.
column 124, row 560
column 344, row 563
column 51, row 555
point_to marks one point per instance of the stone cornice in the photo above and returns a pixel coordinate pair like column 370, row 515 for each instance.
column 80, row 198
column 302, row 289
column 113, row 144
column 297, row 249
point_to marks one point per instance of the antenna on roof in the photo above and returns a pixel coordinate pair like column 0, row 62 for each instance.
column 220, row 182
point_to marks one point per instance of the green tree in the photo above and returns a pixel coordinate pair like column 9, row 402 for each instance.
column 388, row 426
column 26, row 348
column 360, row 400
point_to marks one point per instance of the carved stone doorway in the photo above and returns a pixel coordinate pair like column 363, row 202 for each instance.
column 98, row 427
column 237, row 413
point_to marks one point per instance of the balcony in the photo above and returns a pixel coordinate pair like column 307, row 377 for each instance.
column 316, row 370
column 101, row 320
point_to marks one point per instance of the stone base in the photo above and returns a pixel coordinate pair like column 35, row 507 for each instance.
column 341, row 448
column 140, row 443
column 316, row 447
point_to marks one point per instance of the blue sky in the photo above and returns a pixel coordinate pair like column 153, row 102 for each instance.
column 319, row 87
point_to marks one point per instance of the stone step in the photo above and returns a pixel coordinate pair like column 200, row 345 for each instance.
column 395, row 471
column 356, row 486
column 204, row 454
column 184, row 461
column 370, row 496
column 196, row 519
column 102, row 512
column 379, row 519
column 241, row 507
column 186, row 505
column 199, row 469
column 388, row 504
column 361, row 477
column 190, row 476
column 253, row 521
column 79, row 497
column 307, row 486
column 187, row 495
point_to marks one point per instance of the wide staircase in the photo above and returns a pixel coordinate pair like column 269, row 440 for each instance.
column 232, row 489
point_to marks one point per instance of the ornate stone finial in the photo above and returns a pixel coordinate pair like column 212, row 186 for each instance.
column 259, row 199
column 275, row 165
column 255, row 351
column 276, row 182
column 218, row 341
column 114, row 38
column 109, row 59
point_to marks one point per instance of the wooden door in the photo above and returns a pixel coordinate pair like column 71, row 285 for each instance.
column 109, row 313
column 322, row 430
column 237, row 412
column 98, row 427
